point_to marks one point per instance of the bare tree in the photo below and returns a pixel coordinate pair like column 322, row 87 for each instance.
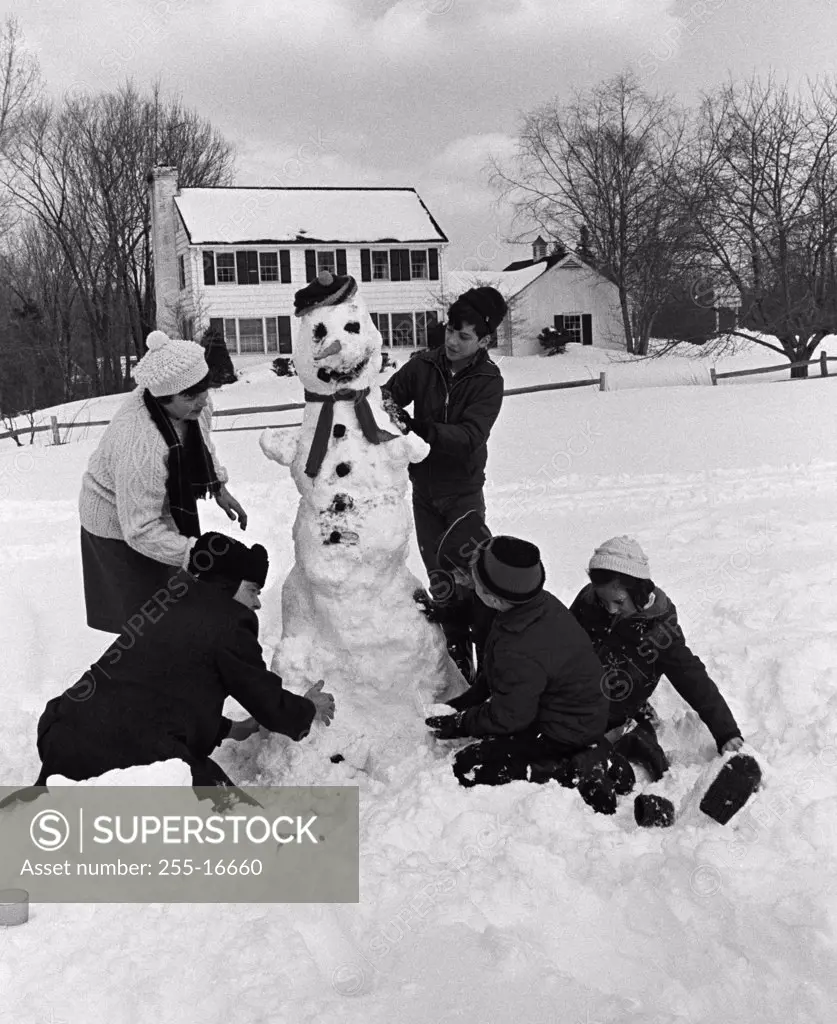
column 601, row 167
column 20, row 85
column 762, row 192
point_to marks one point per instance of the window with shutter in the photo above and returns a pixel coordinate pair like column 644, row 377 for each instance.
column 418, row 265
column 208, row 267
column 421, row 330
column 269, row 266
column 225, row 267
column 326, row 260
column 230, row 336
column 251, row 335
column 365, row 265
column 284, row 323
column 285, row 266
column 380, row 266
column 382, row 323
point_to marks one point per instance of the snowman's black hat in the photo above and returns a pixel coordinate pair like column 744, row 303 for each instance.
column 325, row 290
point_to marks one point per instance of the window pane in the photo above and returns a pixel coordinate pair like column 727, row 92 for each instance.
column 418, row 264
column 250, row 335
column 269, row 266
column 383, row 326
column 402, row 330
column 380, row 266
column 272, row 334
column 326, row 261
column 229, row 335
column 421, row 330
column 572, row 323
column 225, row 267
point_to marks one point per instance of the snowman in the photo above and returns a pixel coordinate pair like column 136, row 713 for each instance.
column 348, row 610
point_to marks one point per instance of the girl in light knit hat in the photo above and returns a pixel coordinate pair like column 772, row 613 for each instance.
column 634, row 628
column 138, row 510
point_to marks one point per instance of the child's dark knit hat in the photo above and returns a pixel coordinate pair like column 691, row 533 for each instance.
column 461, row 540
column 217, row 558
column 326, row 289
column 510, row 569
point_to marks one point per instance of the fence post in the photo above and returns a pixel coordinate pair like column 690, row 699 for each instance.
column 602, row 381
column 56, row 437
column 713, row 375
column 823, row 364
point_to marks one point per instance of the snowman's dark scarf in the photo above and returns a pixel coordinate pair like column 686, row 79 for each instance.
column 322, row 433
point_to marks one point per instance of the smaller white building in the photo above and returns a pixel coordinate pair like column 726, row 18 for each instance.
column 548, row 291
column 233, row 258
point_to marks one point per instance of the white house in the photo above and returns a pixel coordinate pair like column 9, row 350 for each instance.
column 550, row 291
column 234, row 257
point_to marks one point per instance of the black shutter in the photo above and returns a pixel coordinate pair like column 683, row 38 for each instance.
column 208, row 267
column 404, row 256
column 241, row 267
column 559, row 322
column 586, row 329
column 433, row 264
column 252, row 267
column 284, row 334
column 395, row 265
column 216, row 323
column 284, row 266
column 310, row 264
column 341, row 262
column 365, row 266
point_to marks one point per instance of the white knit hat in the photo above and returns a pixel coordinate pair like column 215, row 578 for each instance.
column 170, row 365
column 622, row 554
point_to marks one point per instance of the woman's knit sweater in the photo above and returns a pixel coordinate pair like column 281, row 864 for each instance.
column 123, row 492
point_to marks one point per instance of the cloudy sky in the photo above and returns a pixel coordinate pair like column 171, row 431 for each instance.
column 410, row 92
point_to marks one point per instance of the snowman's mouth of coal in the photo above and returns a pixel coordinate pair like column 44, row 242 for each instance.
column 342, row 376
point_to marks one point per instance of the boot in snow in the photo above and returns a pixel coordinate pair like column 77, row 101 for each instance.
column 641, row 746
column 652, row 811
column 733, row 786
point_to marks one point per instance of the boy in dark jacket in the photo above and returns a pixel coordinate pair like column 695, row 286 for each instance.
column 537, row 706
column 634, row 629
column 457, row 392
column 158, row 691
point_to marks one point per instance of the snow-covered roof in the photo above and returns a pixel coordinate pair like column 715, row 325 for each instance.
column 507, row 282
column 231, row 216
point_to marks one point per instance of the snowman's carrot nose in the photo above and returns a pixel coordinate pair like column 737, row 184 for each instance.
column 329, row 350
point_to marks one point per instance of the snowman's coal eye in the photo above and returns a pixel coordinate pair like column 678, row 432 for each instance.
column 353, row 327
column 320, row 332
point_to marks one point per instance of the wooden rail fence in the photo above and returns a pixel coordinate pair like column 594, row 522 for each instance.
column 253, row 410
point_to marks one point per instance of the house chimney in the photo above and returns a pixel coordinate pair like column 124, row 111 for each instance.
column 538, row 249
column 163, row 187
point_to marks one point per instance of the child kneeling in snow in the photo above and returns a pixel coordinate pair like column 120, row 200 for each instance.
column 634, row 629
column 158, row 692
column 537, row 706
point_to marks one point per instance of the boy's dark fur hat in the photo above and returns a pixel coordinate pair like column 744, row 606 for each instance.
column 511, row 569
column 485, row 307
column 326, row 289
column 218, row 558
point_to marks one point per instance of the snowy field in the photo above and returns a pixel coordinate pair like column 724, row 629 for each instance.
column 515, row 904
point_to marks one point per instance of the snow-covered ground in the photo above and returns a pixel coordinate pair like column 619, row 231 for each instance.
column 517, row 903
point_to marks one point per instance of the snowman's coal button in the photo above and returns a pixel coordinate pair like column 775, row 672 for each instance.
column 334, row 537
column 343, row 469
column 337, row 758
column 339, row 430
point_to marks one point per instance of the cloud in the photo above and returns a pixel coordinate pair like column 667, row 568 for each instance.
column 468, row 157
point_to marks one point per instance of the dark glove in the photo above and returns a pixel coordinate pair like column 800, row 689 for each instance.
column 446, row 727
column 433, row 611
column 396, row 413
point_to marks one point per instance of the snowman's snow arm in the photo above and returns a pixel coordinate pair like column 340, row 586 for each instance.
column 279, row 444
column 407, row 448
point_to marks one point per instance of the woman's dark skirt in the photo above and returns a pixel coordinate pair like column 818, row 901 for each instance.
column 117, row 581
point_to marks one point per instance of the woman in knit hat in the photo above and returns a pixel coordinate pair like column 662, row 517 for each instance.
column 138, row 509
column 634, row 628
column 456, row 391
column 537, row 707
